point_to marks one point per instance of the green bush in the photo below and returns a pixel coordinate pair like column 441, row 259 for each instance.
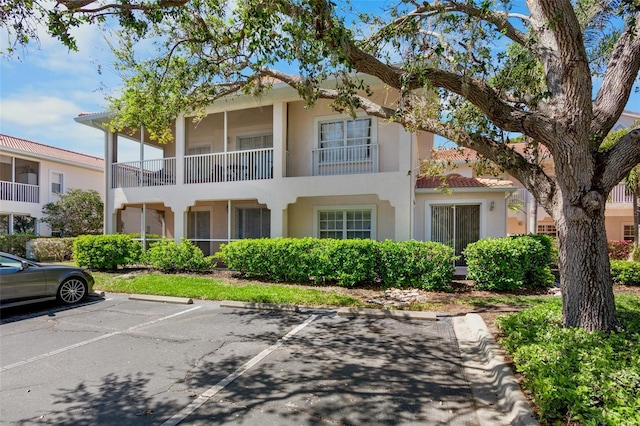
column 106, row 252
column 625, row 272
column 573, row 376
column 169, row 256
column 509, row 263
column 52, row 249
column 619, row 250
column 426, row 265
column 15, row 243
column 636, row 254
column 345, row 262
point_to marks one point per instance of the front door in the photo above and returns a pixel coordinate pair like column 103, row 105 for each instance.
column 456, row 225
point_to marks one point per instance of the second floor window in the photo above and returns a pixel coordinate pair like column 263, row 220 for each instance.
column 345, row 140
column 57, row 183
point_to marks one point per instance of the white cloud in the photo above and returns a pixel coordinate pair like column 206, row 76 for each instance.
column 37, row 110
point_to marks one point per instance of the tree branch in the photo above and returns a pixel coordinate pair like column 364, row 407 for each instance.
column 621, row 73
column 79, row 6
column 623, row 156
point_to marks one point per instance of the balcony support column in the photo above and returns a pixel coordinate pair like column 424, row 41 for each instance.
column 279, row 140
column 181, row 147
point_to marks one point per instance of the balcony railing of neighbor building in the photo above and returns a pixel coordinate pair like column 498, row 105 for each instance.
column 345, row 160
column 21, row 192
column 618, row 195
column 230, row 166
column 158, row 172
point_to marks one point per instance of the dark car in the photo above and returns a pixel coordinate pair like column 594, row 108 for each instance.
column 23, row 281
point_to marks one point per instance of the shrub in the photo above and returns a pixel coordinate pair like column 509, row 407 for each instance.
column 636, row 254
column 345, row 262
column 427, row 265
column 106, row 252
column 56, row 249
column 15, row 243
column 620, row 250
column 573, row 376
column 509, row 263
column 625, row 272
column 169, row 256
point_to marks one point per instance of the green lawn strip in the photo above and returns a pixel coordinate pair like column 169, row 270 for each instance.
column 516, row 301
column 215, row 289
column 574, row 376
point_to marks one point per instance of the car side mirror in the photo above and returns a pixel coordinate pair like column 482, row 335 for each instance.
column 24, row 265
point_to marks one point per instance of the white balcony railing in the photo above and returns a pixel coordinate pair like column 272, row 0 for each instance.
column 22, row 192
column 345, row 160
column 231, row 166
column 620, row 194
column 158, row 172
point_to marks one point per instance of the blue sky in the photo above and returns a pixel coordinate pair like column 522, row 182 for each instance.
column 41, row 93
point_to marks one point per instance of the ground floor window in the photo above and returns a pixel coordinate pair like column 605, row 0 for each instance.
column 548, row 229
column 345, row 224
column 628, row 233
column 199, row 229
column 17, row 224
column 254, row 223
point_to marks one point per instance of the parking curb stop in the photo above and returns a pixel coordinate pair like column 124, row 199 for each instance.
column 162, row 299
column 256, row 305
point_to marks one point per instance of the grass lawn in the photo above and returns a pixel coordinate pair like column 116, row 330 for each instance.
column 197, row 287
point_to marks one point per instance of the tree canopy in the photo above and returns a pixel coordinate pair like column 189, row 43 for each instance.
column 77, row 212
column 496, row 68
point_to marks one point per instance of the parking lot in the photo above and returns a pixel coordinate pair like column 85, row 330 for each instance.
column 119, row 361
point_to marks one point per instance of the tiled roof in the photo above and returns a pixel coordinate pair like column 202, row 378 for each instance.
column 466, row 154
column 38, row 149
column 457, row 181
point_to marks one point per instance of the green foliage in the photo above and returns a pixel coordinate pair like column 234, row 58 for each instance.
column 348, row 263
column 625, row 272
column 619, row 250
column 636, row 254
column 56, row 249
column 15, row 243
column 576, row 377
column 427, row 265
column 106, row 252
column 510, row 263
column 169, row 256
column 76, row 213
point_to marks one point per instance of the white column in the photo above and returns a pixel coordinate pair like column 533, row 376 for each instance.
column 402, row 199
column 181, row 148
column 279, row 140
column 278, row 220
column 110, row 153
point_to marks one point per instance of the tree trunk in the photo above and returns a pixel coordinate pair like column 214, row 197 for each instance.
column 585, row 276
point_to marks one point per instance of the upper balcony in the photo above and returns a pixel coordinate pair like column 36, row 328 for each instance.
column 19, row 180
column 619, row 195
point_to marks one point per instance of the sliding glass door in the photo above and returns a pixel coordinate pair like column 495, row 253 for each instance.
column 456, row 225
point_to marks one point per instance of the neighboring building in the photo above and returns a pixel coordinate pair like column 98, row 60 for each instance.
column 526, row 216
column 33, row 174
column 269, row 167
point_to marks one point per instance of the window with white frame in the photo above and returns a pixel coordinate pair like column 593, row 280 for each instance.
column 57, row 183
column 255, row 141
column 346, row 223
column 198, row 149
column 628, row 233
column 345, row 140
column 548, row 229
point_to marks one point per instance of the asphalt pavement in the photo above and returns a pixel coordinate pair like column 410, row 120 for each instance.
column 137, row 362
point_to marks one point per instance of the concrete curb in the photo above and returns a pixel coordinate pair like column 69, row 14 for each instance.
column 497, row 394
column 264, row 306
column 386, row 313
column 162, row 299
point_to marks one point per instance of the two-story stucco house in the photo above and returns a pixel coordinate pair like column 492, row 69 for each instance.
column 33, row 174
column 526, row 216
column 269, row 167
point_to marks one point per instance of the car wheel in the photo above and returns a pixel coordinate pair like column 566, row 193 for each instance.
column 72, row 290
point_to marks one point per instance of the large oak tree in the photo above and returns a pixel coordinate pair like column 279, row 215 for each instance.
column 498, row 67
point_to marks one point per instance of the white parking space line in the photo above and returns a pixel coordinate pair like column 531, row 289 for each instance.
column 95, row 339
column 197, row 403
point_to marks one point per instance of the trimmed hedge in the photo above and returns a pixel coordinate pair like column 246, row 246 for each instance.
column 52, row 249
column 347, row 263
column 510, row 263
column 15, row 243
column 106, row 252
column 625, row 272
column 169, row 256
